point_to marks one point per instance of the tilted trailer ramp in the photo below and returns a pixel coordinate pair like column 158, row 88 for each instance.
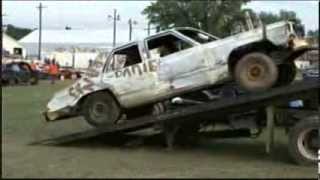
column 279, row 95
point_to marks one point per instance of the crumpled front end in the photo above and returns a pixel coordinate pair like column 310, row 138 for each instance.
column 60, row 106
column 64, row 103
column 59, row 114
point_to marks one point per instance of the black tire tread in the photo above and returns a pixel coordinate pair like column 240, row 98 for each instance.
column 241, row 64
column 293, row 136
column 100, row 95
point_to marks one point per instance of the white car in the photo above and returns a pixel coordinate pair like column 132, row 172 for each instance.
column 136, row 76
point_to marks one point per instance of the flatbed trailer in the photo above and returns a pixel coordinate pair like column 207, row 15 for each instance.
column 307, row 90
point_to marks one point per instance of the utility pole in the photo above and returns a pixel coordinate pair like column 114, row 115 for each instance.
column 114, row 27
column 40, row 7
column 130, row 29
column 73, row 56
column 115, row 17
column 149, row 28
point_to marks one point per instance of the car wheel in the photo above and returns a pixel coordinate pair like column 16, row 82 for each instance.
column 304, row 141
column 12, row 81
column 100, row 109
column 256, row 72
column 33, row 80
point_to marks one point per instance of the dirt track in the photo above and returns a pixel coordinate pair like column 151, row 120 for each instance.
column 108, row 157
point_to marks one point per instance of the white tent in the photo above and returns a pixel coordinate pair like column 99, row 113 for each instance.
column 78, row 38
column 12, row 46
column 76, row 46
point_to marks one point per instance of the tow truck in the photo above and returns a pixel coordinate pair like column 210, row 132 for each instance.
column 244, row 82
column 248, row 115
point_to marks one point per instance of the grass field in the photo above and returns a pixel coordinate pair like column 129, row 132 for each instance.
column 22, row 123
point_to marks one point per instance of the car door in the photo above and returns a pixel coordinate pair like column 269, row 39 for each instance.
column 183, row 67
column 130, row 76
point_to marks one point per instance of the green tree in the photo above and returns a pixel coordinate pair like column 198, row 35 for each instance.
column 17, row 32
column 269, row 18
column 313, row 34
column 313, row 37
column 216, row 17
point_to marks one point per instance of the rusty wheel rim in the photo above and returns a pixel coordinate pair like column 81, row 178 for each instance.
column 99, row 111
column 255, row 72
column 306, row 143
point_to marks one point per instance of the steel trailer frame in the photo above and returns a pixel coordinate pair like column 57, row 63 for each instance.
column 307, row 90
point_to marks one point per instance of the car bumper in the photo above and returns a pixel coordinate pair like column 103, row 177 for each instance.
column 58, row 115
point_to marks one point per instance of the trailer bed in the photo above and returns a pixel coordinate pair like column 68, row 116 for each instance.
column 279, row 95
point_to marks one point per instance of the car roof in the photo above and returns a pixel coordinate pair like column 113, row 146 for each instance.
column 175, row 29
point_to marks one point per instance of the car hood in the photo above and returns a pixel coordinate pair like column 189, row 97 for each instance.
column 70, row 95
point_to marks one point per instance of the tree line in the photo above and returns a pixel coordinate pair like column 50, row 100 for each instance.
column 217, row 17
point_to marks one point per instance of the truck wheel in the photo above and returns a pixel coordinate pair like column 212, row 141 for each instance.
column 256, row 72
column 100, row 109
column 304, row 141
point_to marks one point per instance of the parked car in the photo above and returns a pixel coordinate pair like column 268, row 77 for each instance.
column 140, row 74
column 69, row 73
column 17, row 73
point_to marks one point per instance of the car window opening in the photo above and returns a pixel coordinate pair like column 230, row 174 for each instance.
column 126, row 57
column 166, row 45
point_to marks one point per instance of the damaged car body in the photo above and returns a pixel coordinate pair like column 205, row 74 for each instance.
column 135, row 77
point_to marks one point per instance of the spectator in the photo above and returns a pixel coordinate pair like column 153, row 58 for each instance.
column 33, row 66
column 90, row 63
column 46, row 66
column 53, row 71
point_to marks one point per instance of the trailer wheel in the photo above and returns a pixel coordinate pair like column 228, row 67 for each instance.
column 100, row 109
column 304, row 141
column 256, row 72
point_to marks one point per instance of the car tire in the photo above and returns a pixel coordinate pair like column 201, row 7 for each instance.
column 299, row 141
column 33, row 80
column 101, row 109
column 256, row 72
column 12, row 82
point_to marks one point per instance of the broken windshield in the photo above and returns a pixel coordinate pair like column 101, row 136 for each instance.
column 198, row 36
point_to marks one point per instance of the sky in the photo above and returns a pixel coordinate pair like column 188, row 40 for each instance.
column 94, row 14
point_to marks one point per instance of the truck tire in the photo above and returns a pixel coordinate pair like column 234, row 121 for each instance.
column 256, row 72
column 100, row 109
column 303, row 141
